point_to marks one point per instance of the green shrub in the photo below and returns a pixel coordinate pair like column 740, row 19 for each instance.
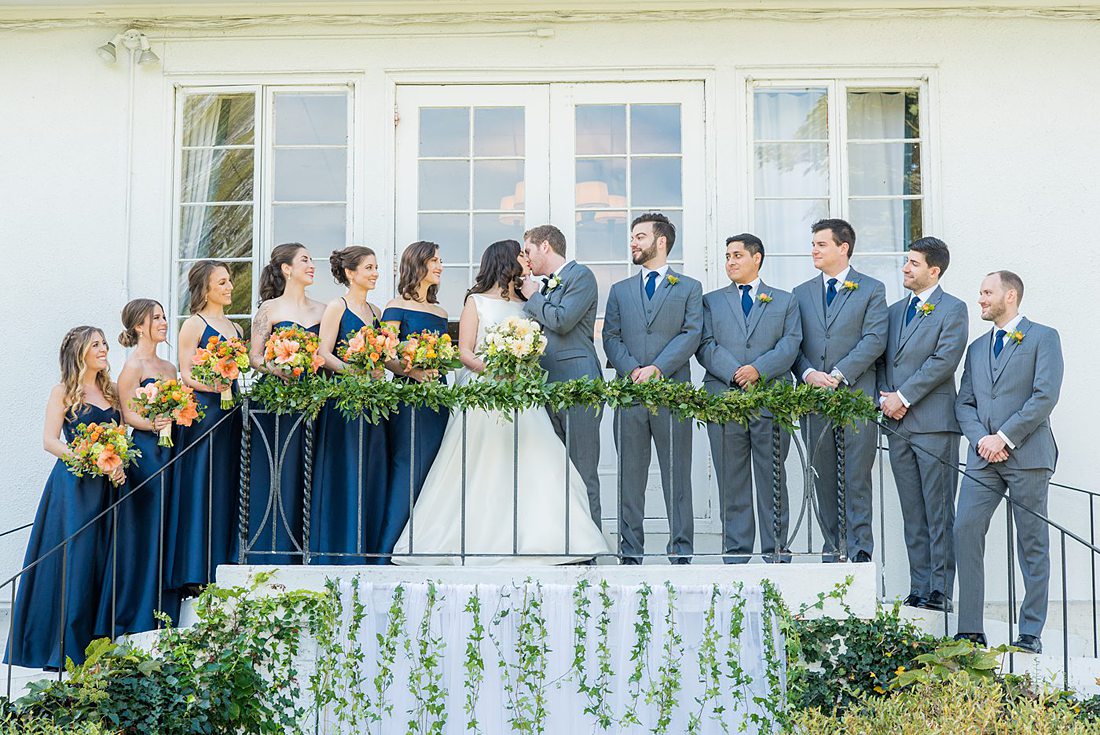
column 23, row 726
column 953, row 706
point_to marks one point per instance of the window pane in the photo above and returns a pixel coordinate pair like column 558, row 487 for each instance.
column 877, row 169
column 311, row 175
column 496, row 180
column 655, row 182
column 311, row 119
column 450, row 231
column 599, row 179
column 239, row 273
column 444, row 131
column 877, row 114
column 886, row 225
column 655, row 129
column 216, row 232
column 606, row 276
column 602, row 235
column 601, row 129
column 219, row 119
column 791, row 114
column 444, row 185
column 452, row 289
column 489, row 228
column 785, row 272
column 498, row 131
column 792, row 169
column 784, row 225
column 324, row 288
column 321, row 228
column 885, row 268
column 217, row 175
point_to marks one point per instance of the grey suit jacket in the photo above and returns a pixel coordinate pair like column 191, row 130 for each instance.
column 768, row 341
column 921, row 359
column 568, row 318
column 1013, row 394
column 848, row 336
column 663, row 331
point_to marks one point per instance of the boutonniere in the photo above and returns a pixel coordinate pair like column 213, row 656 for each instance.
column 672, row 280
column 851, row 286
column 926, row 308
column 1016, row 336
column 552, row 283
column 764, row 298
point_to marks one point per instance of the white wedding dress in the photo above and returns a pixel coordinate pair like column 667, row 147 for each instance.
column 491, row 494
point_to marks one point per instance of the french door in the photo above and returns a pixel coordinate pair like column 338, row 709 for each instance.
column 480, row 163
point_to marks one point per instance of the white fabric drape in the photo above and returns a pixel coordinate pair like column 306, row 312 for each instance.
column 564, row 705
column 202, row 130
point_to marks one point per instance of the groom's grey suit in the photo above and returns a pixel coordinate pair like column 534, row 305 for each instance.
column 920, row 362
column 1011, row 394
column 567, row 314
column 663, row 331
column 847, row 336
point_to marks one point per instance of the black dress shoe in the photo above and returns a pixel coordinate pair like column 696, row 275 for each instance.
column 861, row 557
column 914, row 600
column 680, row 560
column 937, row 601
column 977, row 639
column 630, row 561
column 1028, row 643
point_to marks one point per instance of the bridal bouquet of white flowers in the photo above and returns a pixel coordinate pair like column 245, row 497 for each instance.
column 512, row 348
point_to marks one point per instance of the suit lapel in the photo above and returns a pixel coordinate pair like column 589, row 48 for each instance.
column 1001, row 363
column 841, row 298
column 659, row 296
column 637, row 294
column 908, row 330
column 757, row 310
column 733, row 298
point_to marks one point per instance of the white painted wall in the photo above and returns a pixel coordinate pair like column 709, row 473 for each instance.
column 1014, row 132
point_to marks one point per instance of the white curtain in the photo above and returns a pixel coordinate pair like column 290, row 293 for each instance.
column 451, row 624
column 202, row 130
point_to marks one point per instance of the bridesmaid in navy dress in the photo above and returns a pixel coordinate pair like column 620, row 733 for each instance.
column 275, row 518
column 348, row 497
column 133, row 583
column 414, row 310
column 85, row 395
column 204, row 506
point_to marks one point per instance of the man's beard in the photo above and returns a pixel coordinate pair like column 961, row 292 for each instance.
column 995, row 312
column 645, row 255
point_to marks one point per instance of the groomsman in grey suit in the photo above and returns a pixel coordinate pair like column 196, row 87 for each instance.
column 565, row 306
column 844, row 325
column 1010, row 385
column 916, row 383
column 751, row 333
column 652, row 326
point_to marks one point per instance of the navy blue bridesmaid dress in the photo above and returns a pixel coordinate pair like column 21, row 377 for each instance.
column 347, row 511
column 410, row 460
column 275, row 518
column 134, row 575
column 68, row 503
column 205, row 502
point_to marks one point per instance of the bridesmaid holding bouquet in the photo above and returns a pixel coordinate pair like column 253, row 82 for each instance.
column 276, row 502
column 204, row 507
column 351, row 472
column 85, row 395
column 133, row 585
column 413, row 447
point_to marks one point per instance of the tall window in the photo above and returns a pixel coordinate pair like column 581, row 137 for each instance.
column 259, row 166
column 837, row 149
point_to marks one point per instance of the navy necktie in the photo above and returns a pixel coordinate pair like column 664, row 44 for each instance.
column 650, row 284
column 746, row 300
column 999, row 343
column 830, row 292
column 912, row 310
column 545, row 285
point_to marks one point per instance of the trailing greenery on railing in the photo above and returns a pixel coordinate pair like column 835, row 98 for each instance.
column 373, row 400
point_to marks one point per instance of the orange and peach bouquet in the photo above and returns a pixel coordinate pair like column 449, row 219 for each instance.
column 167, row 397
column 429, row 350
column 368, row 349
column 221, row 362
column 99, row 449
column 292, row 351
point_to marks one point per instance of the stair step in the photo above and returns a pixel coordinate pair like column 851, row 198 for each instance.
column 996, row 632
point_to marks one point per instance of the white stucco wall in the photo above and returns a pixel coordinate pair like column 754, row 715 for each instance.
column 1013, row 129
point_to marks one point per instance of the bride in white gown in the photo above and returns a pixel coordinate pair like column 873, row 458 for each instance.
column 537, row 532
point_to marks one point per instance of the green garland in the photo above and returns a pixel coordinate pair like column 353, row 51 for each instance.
column 474, row 663
column 360, row 397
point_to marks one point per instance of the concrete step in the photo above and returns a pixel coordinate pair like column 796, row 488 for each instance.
column 996, row 632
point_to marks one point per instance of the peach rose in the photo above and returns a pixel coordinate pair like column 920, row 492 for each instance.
column 108, row 461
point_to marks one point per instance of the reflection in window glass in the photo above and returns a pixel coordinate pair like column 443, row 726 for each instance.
column 601, row 130
column 311, row 119
column 444, row 131
column 498, row 131
column 321, row 228
column 654, row 129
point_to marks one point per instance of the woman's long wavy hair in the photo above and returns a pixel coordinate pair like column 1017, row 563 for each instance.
column 272, row 280
column 74, row 368
column 499, row 269
column 414, row 266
